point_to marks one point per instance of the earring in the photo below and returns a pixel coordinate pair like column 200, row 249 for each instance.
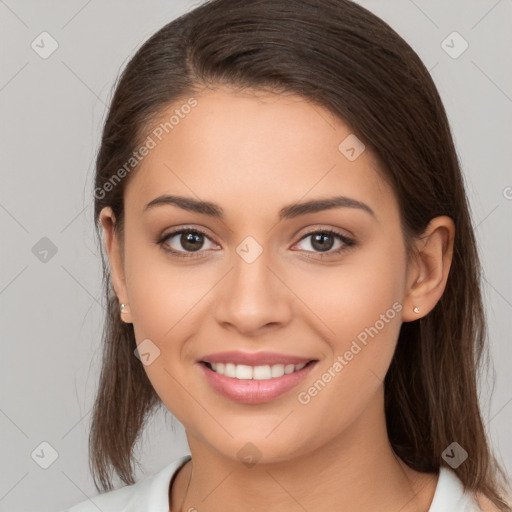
column 416, row 309
column 124, row 310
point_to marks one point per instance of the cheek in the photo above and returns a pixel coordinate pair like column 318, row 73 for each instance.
column 365, row 314
column 361, row 304
column 162, row 292
column 352, row 296
column 168, row 304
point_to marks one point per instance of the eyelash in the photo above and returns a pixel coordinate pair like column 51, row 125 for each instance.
column 348, row 242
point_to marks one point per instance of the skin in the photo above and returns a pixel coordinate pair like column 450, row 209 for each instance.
column 234, row 149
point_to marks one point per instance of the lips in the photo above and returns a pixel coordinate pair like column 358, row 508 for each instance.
column 254, row 378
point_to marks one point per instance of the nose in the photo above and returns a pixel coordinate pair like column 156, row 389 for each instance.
column 254, row 295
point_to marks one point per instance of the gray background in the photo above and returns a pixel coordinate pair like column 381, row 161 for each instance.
column 51, row 311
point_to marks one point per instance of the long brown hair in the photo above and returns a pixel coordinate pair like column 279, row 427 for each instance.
column 338, row 55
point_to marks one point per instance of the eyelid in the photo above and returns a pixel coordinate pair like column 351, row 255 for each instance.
column 324, row 229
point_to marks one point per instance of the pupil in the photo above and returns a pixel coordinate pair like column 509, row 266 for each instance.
column 189, row 238
column 322, row 246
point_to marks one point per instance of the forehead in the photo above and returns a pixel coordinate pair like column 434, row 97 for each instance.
column 253, row 151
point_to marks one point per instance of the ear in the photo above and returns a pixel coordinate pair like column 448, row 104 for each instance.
column 115, row 256
column 428, row 272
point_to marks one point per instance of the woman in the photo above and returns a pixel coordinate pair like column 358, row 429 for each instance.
column 292, row 271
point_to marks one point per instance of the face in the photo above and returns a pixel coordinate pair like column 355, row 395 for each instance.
column 321, row 285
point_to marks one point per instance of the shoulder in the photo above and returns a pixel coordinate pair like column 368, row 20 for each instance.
column 150, row 493
column 111, row 501
column 451, row 495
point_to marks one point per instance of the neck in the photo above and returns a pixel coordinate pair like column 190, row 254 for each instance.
column 357, row 470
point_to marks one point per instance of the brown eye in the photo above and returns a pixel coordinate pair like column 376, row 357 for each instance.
column 323, row 241
column 191, row 241
column 188, row 242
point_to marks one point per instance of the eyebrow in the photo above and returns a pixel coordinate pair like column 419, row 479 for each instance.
column 287, row 212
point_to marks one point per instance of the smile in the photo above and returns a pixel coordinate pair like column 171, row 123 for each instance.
column 254, row 384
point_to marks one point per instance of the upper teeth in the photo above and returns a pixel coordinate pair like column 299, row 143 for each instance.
column 243, row 371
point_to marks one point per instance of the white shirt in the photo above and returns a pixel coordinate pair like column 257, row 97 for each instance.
column 151, row 494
